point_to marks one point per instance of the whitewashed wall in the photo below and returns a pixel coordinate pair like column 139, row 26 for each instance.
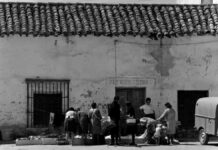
column 188, row 63
column 89, row 63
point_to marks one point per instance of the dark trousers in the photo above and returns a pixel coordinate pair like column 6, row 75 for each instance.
column 96, row 139
column 115, row 133
column 133, row 138
column 131, row 129
column 150, row 115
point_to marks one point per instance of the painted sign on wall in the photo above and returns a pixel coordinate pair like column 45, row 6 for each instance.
column 131, row 81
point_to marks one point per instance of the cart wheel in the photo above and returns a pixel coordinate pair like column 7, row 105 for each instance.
column 203, row 137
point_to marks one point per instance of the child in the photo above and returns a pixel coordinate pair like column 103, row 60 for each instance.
column 157, row 134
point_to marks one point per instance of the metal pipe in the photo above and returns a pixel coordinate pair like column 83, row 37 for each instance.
column 115, row 57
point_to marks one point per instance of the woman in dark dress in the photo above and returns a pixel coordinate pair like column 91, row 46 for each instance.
column 96, row 124
column 84, row 124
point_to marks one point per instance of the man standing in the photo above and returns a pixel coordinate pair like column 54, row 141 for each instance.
column 147, row 109
column 114, row 113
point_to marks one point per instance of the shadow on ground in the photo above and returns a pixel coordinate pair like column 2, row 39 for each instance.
column 7, row 142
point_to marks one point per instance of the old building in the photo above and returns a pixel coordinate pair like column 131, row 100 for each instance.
column 56, row 55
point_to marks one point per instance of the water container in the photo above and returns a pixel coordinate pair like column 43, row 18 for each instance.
column 7, row 134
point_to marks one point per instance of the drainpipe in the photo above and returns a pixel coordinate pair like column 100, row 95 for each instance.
column 161, row 43
column 115, row 63
column 161, row 83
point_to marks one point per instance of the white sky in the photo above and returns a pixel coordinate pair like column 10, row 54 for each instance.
column 116, row 1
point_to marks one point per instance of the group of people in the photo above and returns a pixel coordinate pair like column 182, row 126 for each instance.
column 77, row 121
column 91, row 122
column 166, row 119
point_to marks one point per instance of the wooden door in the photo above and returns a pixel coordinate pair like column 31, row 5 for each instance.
column 135, row 95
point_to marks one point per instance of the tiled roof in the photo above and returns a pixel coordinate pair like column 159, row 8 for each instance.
column 154, row 21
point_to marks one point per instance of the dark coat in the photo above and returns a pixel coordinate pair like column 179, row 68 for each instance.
column 130, row 111
column 96, row 121
column 83, row 122
column 114, row 111
column 131, row 128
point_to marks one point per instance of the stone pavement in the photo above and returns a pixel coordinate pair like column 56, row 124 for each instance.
column 185, row 144
column 182, row 146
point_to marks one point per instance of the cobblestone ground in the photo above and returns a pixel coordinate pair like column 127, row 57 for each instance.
column 182, row 146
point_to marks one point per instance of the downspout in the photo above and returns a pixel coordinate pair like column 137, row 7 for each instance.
column 161, row 83
column 115, row 62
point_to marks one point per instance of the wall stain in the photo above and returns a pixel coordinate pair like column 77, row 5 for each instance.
column 110, row 50
column 68, row 40
column 88, row 94
column 144, row 60
column 56, row 43
column 207, row 59
column 188, row 60
column 193, row 62
column 163, row 57
column 148, row 60
column 77, row 54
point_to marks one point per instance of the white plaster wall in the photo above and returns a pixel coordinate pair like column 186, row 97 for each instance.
column 189, row 1
column 86, row 61
column 188, row 63
column 194, row 66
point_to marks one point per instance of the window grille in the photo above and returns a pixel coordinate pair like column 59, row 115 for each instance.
column 45, row 86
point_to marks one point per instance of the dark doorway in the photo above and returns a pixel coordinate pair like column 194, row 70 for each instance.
column 43, row 105
column 135, row 95
column 186, row 106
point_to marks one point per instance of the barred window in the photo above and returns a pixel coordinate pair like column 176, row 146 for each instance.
column 43, row 97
